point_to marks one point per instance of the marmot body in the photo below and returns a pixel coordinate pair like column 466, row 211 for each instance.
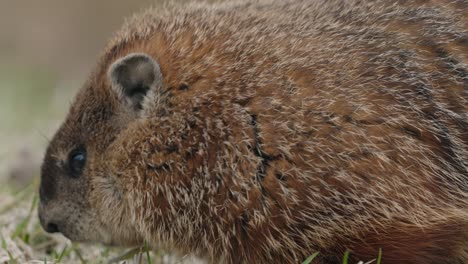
column 264, row 132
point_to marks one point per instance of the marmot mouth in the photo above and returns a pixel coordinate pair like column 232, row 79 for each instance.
column 69, row 236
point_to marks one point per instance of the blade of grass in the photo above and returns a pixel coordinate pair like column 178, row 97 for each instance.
column 62, row 254
column 54, row 254
column 19, row 231
column 79, row 255
column 12, row 260
column 309, row 259
column 4, row 245
column 346, row 257
column 148, row 258
column 379, row 257
column 147, row 251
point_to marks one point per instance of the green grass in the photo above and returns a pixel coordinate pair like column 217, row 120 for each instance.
column 20, row 230
column 379, row 257
column 346, row 257
column 309, row 259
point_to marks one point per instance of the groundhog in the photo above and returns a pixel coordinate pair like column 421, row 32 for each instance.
column 265, row 131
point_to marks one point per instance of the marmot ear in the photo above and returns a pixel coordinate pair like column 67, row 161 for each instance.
column 133, row 76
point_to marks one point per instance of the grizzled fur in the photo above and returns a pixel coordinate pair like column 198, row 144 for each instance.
column 277, row 128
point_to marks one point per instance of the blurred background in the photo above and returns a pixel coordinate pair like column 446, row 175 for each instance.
column 47, row 48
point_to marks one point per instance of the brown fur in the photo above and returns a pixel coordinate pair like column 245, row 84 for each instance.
column 282, row 128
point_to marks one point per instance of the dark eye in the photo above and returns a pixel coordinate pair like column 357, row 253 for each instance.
column 77, row 161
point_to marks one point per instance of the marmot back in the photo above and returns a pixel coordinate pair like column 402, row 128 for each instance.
column 264, row 131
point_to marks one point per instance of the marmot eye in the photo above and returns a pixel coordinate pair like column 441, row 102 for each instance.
column 76, row 161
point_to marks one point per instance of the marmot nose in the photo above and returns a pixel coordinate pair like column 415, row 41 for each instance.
column 52, row 228
column 48, row 226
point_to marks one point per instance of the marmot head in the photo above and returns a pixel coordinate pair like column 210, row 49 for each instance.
column 79, row 196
